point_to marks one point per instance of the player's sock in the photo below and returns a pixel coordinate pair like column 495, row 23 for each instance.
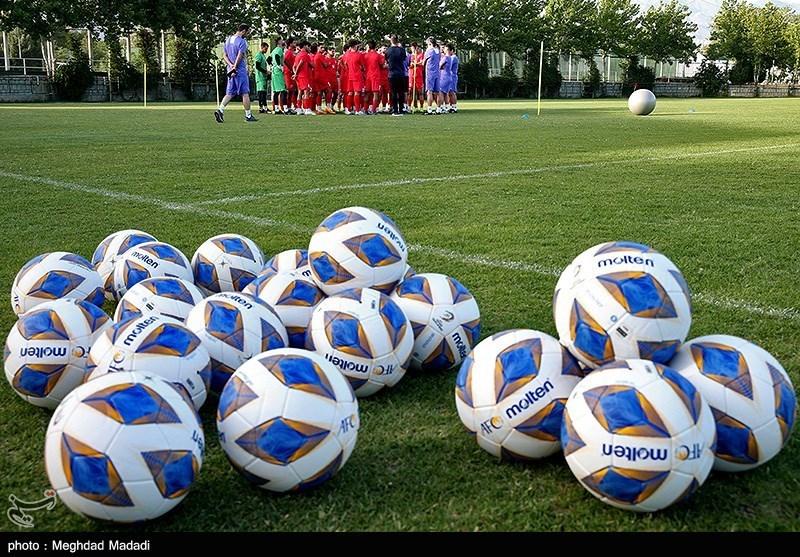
column 357, row 99
column 248, row 113
column 221, row 107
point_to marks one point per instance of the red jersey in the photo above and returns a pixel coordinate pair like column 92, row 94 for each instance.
column 320, row 67
column 354, row 64
column 303, row 64
column 288, row 61
column 417, row 69
column 332, row 64
column 373, row 63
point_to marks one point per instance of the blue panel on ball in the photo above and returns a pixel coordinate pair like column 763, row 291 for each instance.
column 58, row 284
column 624, row 414
column 90, row 474
column 518, row 363
column 167, row 253
column 41, row 325
column 323, row 475
column 723, row 361
column 628, row 488
column 134, row 274
column 235, row 246
column 281, row 441
column 377, row 250
column 324, row 268
column 132, row 403
column 78, row 260
column 660, row 352
column 345, row 332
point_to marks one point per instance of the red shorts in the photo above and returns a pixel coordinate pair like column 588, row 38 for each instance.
column 373, row 84
column 355, row 86
column 287, row 79
column 321, row 85
column 303, row 82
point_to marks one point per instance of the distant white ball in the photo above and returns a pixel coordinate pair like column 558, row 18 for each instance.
column 444, row 317
column 110, row 250
column 511, row 390
column 234, row 327
column 642, row 102
column 366, row 335
column 357, row 247
column 290, row 260
column 52, row 276
column 622, row 300
column 165, row 296
column 125, row 447
column 287, row 420
column 226, row 263
column 293, row 297
column 149, row 260
column 638, row 435
column 156, row 345
column 46, row 350
column 750, row 394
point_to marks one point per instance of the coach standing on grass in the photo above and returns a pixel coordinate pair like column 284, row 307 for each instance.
column 398, row 75
column 235, row 55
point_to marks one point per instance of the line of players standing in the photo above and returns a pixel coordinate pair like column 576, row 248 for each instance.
column 309, row 78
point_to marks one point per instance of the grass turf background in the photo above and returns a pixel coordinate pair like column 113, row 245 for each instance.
column 728, row 220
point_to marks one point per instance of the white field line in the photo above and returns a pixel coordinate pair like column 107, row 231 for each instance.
column 498, row 174
column 723, row 302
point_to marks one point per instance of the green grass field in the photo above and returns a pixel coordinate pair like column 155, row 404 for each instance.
column 500, row 201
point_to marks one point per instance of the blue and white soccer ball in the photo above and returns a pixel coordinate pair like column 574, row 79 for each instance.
column 638, row 435
column 287, row 420
column 444, row 317
column 293, row 297
column 622, row 300
column 750, row 394
column 110, row 250
column 290, row 260
column 234, row 327
column 357, row 248
column 165, row 296
column 366, row 335
column 149, row 260
column 226, row 263
column 157, row 345
column 52, row 276
column 511, row 390
column 125, row 447
column 46, row 350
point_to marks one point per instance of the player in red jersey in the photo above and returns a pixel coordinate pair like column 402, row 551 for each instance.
column 333, row 89
column 354, row 70
column 288, row 74
column 302, row 75
column 373, row 62
column 416, row 78
column 319, row 77
column 386, row 100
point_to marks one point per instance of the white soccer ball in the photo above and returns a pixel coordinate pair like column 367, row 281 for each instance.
column 638, row 435
column 234, row 327
column 165, row 296
column 366, row 335
column 642, row 102
column 52, row 276
column 357, row 248
column 622, row 300
column 511, row 390
column 157, row 345
column 226, row 263
column 125, row 447
column 110, row 250
column 46, row 350
column 287, row 420
column 444, row 317
column 750, row 394
column 293, row 297
column 149, row 260
column 290, row 260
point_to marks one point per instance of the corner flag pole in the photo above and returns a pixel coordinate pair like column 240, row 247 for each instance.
column 539, row 98
column 145, row 84
column 216, row 79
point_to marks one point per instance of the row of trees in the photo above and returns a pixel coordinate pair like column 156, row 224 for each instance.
column 764, row 43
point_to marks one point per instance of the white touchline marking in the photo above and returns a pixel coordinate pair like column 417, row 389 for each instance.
column 724, row 302
column 498, row 174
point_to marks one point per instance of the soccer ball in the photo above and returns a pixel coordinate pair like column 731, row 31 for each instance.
column 52, row 276
column 46, row 350
column 622, row 300
column 750, row 394
column 444, row 317
column 287, row 420
column 357, row 248
column 149, row 260
column 125, row 447
column 511, row 390
column 642, row 102
column 366, row 335
column 110, row 250
column 226, row 263
column 409, row 272
column 290, row 260
column 233, row 327
column 165, row 296
column 638, row 435
column 157, row 345
column 293, row 297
